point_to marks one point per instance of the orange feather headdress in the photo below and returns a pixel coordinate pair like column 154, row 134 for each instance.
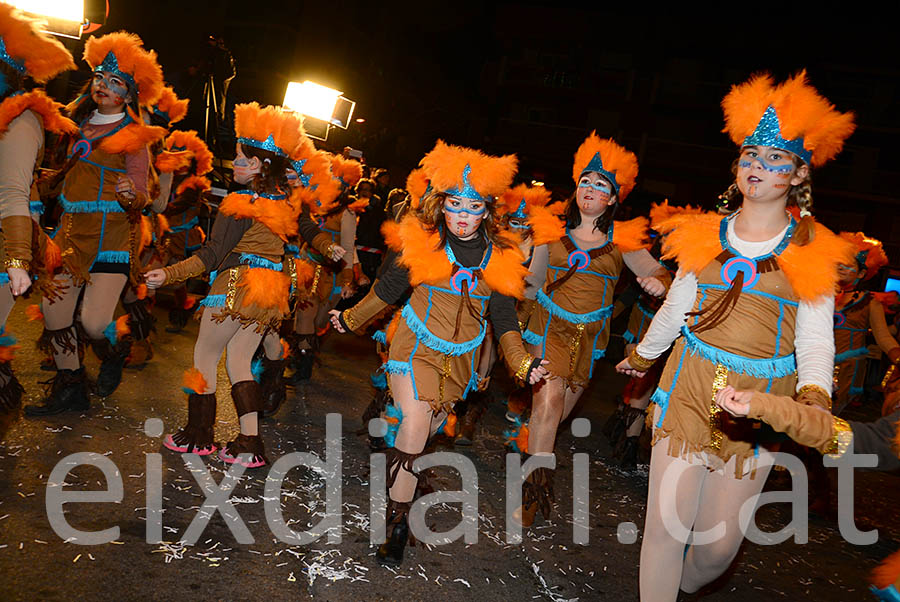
column 518, row 202
column 123, row 53
column 792, row 116
column 664, row 211
column 171, row 108
column 613, row 161
column 28, row 50
column 468, row 173
column 869, row 252
column 316, row 187
column 189, row 142
column 346, row 171
column 418, row 186
column 268, row 128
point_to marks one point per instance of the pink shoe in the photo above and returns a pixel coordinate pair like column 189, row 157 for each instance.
column 246, row 450
column 187, row 447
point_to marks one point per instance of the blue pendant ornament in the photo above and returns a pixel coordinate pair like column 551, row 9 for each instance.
column 463, row 275
column 839, row 319
column 580, row 259
column 768, row 133
column 734, row 265
column 82, row 148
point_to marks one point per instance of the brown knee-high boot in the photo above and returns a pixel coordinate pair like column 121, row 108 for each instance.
column 537, row 494
column 197, row 436
column 391, row 551
column 248, row 450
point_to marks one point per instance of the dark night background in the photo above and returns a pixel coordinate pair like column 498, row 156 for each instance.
column 535, row 78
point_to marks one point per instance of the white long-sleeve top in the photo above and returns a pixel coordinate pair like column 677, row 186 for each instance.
column 813, row 335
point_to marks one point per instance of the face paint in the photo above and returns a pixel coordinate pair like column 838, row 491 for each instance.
column 599, row 186
column 472, row 212
column 116, row 88
column 463, row 216
column 776, row 169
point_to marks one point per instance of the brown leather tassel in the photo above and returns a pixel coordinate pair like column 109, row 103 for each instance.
column 562, row 279
column 465, row 301
column 715, row 314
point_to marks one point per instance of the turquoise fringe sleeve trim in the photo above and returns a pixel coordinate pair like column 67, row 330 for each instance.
column 214, row 301
column 532, row 338
column 777, row 367
column 427, row 338
column 397, row 367
column 555, row 310
column 850, row 354
column 380, row 336
column 90, row 206
column 113, row 257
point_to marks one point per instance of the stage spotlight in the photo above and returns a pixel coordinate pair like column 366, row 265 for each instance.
column 61, row 17
column 320, row 105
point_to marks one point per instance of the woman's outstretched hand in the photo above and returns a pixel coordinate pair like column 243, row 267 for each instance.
column 336, row 320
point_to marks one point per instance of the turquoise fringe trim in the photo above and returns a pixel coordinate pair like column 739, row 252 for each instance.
column 397, row 367
column 36, row 207
column 760, row 368
column 532, row 338
column 186, row 226
column 427, row 338
column 850, row 354
column 660, row 398
column 255, row 261
column 113, row 257
column 629, row 337
column 110, row 332
column 598, row 353
column 214, row 301
column 90, row 206
column 4, row 278
column 379, row 380
column 380, row 336
column 555, row 310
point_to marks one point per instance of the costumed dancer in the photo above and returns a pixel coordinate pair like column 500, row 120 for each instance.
column 575, row 277
column 462, row 268
column 106, row 186
column 333, row 278
column 138, row 300
column 812, row 426
column 251, row 283
column 753, row 303
column 855, row 312
column 309, row 176
column 24, row 117
column 187, row 158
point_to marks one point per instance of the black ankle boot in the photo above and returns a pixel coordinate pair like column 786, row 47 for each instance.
column 303, row 365
column 68, row 391
column 628, row 459
column 11, row 392
column 615, row 425
column 273, row 386
column 112, row 358
column 391, row 551
column 178, row 319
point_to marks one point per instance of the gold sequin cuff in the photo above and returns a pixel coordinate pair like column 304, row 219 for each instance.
column 17, row 263
column 524, row 368
column 814, row 395
column 348, row 320
column 641, row 364
column 841, row 438
column 355, row 318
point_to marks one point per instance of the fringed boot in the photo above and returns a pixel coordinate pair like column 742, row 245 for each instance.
column 142, row 325
column 537, row 494
column 197, row 436
column 67, row 390
column 248, row 450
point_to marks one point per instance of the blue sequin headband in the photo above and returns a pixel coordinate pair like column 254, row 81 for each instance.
column 111, row 65
column 6, row 58
column 301, row 175
column 268, row 144
column 596, row 164
column 519, row 213
column 467, row 191
column 768, row 133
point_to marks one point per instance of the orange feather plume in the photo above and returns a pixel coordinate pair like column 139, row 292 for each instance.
column 33, row 313
column 37, row 101
column 52, row 255
column 132, row 138
column 631, row 235
column 170, row 162
column 194, row 381
column 285, row 349
column 321, row 190
column 196, row 182
column 43, row 55
column 489, row 176
column 616, row 159
column 141, row 291
column 7, row 352
column 812, row 268
column 359, row 205
column 146, row 233
column 505, row 273
column 347, row 171
column 691, row 240
column 392, row 327
column 545, row 225
column 888, row 572
column 132, row 58
column 258, row 123
column 417, row 185
column 266, row 289
column 278, row 216
column 122, row 327
column 663, row 211
column 417, row 248
column 195, row 146
column 511, row 200
column 875, row 257
column 802, row 113
column 171, row 105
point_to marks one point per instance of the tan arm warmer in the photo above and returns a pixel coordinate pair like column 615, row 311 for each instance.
column 17, row 231
column 181, row 271
column 806, row 424
column 519, row 361
column 363, row 312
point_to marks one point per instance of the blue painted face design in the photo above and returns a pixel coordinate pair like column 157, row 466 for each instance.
column 448, row 206
column 113, row 84
column 599, row 186
column 779, row 169
column 242, row 162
